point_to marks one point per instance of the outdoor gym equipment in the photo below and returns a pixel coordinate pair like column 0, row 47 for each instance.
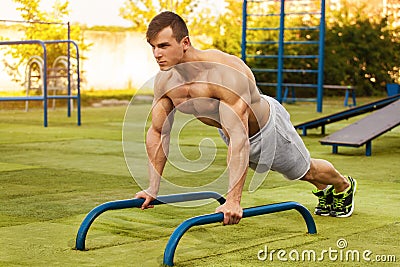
column 186, row 225
column 45, row 75
column 365, row 130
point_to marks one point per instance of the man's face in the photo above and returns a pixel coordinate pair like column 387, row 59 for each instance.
column 166, row 50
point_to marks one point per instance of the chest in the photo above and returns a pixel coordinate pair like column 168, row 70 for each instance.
column 194, row 98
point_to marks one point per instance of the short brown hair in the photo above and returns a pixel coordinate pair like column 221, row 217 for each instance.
column 167, row 19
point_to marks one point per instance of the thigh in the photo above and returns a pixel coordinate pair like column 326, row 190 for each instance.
column 292, row 158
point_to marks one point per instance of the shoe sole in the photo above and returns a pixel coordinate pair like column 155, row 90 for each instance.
column 324, row 214
column 352, row 203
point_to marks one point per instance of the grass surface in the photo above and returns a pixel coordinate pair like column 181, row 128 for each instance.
column 50, row 178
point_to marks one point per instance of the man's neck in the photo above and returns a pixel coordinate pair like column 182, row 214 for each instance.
column 191, row 55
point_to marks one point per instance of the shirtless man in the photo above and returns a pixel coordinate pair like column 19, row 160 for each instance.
column 219, row 90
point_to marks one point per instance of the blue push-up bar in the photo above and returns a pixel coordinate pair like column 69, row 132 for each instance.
column 186, row 225
column 136, row 203
column 219, row 217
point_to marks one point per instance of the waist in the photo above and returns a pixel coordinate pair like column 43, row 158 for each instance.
column 269, row 123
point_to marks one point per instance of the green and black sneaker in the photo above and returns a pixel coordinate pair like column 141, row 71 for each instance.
column 325, row 200
column 343, row 202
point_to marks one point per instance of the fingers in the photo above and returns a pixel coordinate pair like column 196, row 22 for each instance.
column 146, row 203
column 147, row 199
column 232, row 214
column 231, row 217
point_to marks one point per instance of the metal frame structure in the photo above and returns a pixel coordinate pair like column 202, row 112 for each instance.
column 344, row 115
column 366, row 129
column 175, row 237
column 45, row 95
column 281, row 55
column 219, row 217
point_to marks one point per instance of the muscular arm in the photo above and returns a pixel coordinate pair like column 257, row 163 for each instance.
column 157, row 146
column 234, row 119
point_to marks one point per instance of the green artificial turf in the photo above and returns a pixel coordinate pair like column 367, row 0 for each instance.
column 50, row 178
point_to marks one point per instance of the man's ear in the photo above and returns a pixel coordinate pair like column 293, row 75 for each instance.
column 186, row 43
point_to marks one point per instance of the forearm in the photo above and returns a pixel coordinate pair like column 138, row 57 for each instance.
column 157, row 150
column 238, row 161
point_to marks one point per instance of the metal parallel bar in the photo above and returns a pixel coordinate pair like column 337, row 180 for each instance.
column 302, row 28
column 244, row 26
column 355, row 111
column 320, row 90
column 69, row 68
column 262, row 56
column 45, row 85
column 286, row 70
column 302, row 42
column 280, row 52
column 301, row 85
column 303, row 99
column 44, row 97
column 281, row 42
column 263, row 29
column 261, row 42
column 266, row 84
column 368, row 148
column 263, row 1
column 218, row 217
column 290, row 84
column 305, row 1
column 45, row 91
column 62, row 97
column 33, row 22
column 78, row 75
column 286, row 42
column 301, row 56
column 78, row 87
column 284, row 56
column 288, row 13
column 278, row 28
column 259, row 1
column 136, row 203
column 304, row 13
column 346, row 98
column 21, row 98
column 264, row 70
column 263, row 15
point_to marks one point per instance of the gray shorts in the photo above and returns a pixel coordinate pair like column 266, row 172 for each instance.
column 278, row 146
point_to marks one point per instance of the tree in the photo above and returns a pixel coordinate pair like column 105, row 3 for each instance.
column 361, row 50
column 140, row 12
column 37, row 30
column 226, row 35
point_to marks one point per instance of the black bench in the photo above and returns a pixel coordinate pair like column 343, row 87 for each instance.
column 342, row 115
column 365, row 130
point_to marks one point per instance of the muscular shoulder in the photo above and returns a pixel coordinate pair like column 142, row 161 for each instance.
column 163, row 81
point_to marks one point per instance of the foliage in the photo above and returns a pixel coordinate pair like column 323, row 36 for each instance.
column 140, row 12
column 229, row 26
column 40, row 29
column 360, row 49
